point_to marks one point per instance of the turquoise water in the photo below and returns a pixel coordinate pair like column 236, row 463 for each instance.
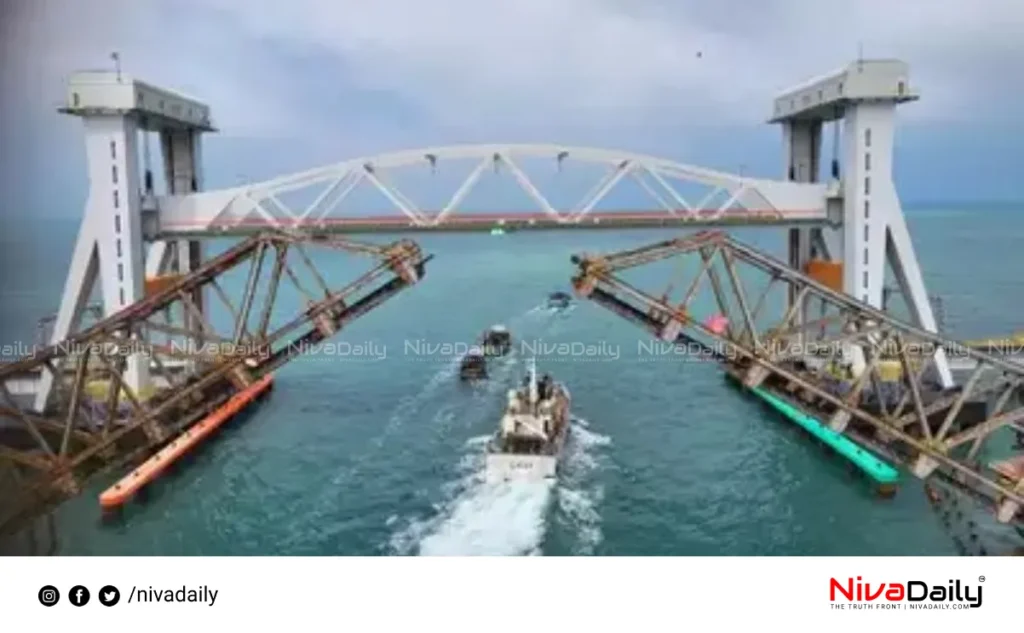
column 378, row 456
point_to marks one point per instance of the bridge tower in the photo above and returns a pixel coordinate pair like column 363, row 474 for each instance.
column 870, row 229
column 116, row 110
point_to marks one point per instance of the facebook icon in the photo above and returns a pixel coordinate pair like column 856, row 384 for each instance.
column 79, row 595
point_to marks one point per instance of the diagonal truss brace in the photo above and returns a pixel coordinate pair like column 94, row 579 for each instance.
column 267, row 202
column 919, row 427
column 95, row 423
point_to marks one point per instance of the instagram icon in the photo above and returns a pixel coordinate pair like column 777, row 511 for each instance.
column 49, row 596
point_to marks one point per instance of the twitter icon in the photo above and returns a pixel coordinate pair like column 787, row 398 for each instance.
column 109, row 596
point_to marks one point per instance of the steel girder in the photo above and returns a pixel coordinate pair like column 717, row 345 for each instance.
column 917, row 425
column 94, row 423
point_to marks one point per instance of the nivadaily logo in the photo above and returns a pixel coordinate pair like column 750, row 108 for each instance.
column 912, row 594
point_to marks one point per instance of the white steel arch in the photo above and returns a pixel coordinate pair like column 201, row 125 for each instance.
column 659, row 177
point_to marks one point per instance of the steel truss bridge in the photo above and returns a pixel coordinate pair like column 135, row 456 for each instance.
column 174, row 343
column 98, row 424
column 89, row 432
column 922, row 427
column 319, row 201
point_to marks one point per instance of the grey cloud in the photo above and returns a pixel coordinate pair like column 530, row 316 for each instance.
column 600, row 61
column 491, row 65
column 193, row 52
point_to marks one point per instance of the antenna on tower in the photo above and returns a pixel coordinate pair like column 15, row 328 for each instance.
column 860, row 56
column 116, row 57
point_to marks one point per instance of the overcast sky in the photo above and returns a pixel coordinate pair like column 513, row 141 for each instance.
column 298, row 83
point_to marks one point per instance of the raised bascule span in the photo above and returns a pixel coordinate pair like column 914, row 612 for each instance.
column 894, row 404
column 171, row 350
column 94, row 422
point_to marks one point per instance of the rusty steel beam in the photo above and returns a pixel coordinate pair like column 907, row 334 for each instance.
column 924, row 431
column 95, row 423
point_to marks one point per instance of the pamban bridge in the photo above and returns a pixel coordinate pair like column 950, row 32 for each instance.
column 123, row 387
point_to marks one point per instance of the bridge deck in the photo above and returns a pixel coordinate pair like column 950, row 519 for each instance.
column 484, row 222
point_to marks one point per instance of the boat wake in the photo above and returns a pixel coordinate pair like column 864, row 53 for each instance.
column 410, row 407
column 511, row 518
column 579, row 494
column 546, row 310
column 492, row 520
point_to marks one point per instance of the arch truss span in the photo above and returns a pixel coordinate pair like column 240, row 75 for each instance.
column 552, row 184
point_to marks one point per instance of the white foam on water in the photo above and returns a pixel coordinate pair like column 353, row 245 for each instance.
column 503, row 519
column 545, row 309
column 580, row 493
column 510, row 518
column 475, row 442
column 587, row 438
column 579, row 509
column 477, row 518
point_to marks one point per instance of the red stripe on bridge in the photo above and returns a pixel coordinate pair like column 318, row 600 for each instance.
column 513, row 220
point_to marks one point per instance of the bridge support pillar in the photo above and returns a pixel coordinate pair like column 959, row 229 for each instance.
column 802, row 145
column 109, row 248
column 863, row 96
column 182, row 161
column 875, row 228
column 115, row 109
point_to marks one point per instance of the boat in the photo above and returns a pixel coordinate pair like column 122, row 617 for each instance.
column 473, row 366
column 534, row 428
column 496, row 341
column 559, row 300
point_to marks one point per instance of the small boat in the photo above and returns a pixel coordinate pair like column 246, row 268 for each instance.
column 473, row 366
column 531, row 439
column 496, row 341
column 559, row 300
